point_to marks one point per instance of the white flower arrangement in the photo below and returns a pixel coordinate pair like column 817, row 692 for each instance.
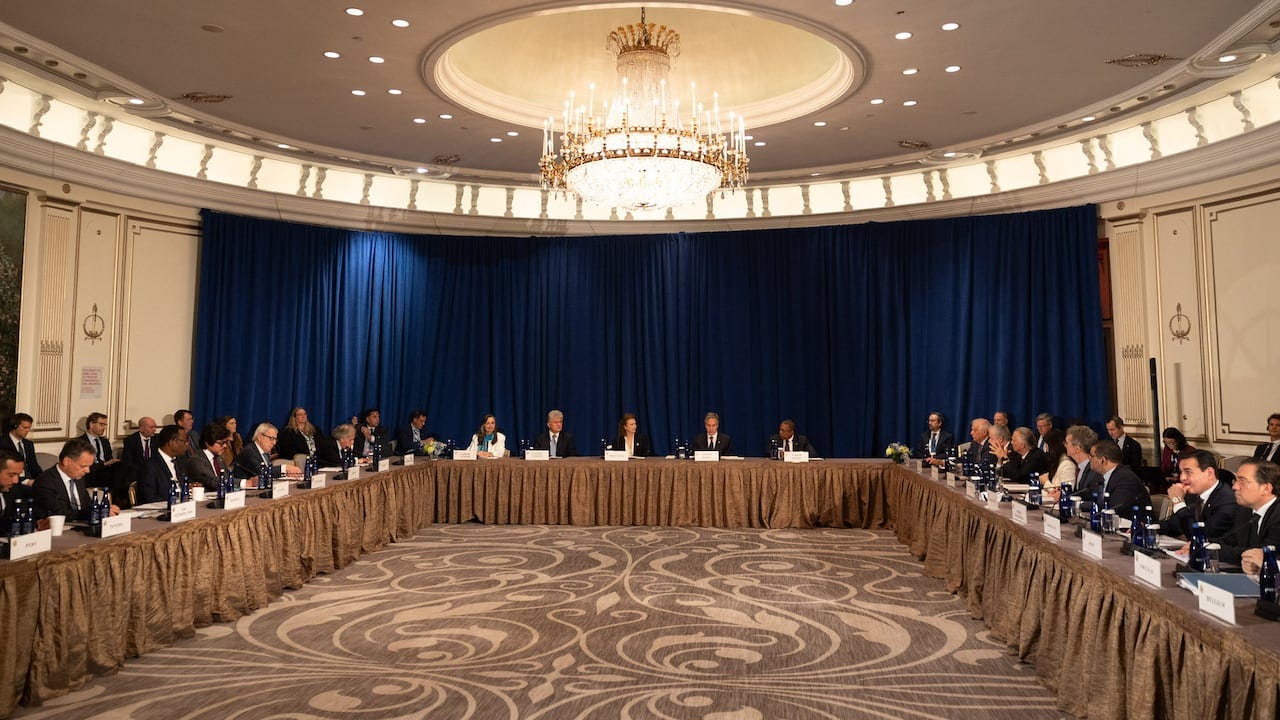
column 897, row 452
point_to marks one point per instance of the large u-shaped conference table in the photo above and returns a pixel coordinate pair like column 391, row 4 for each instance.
column 1109, row 646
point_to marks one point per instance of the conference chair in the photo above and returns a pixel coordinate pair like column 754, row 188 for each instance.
column 1232, row 462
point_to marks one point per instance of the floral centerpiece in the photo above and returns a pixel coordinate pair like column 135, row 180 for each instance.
column 432, row 448
column 897, row 452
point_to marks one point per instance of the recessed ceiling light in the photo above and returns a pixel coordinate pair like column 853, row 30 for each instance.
column 842, row 3
column 909, row 103
column 495, row 139
column 376, row 60
column 332, row 55
column 355, row 12
column 910, row 71
column 400, row 23
column 212, row 28
column 512, row 133
column 814, row 174
column 282, row 146
column 877, row 101
column 951, row 26
column 948, row 154
column 393, row 91
column 420, row 121
column 136, row 101
column 1088, row 118
column 446, row 116
column 1227, row 58
column 422, row 171
column 953, row 68
column 357, row 92
column 904, row 35
column 759, row 143
column 820, row 123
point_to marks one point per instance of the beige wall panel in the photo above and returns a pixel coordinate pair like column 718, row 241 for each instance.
column 57, row 283
column 95, row 330
column 1179, row 325
column 1244, row 262
column 159, row 323
column 1133, row 389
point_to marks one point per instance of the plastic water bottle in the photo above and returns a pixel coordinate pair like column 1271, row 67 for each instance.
column 184, row 487
column 1268, row 574
column 1198, row 554
column 224, row 481
column 604, row 446
column 264, row 478
column 1150, row 526
column 1064, row 503
column 174, row 494
column 1033, row 492
column 775, row 450
column 377, row 454
column 1138, row 529
column 1095, row 515
column 1108, row 517
column 15, row 524
column 95, row 514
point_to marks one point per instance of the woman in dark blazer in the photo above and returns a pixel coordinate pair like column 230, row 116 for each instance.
column 630, row 439
column 1175, row 448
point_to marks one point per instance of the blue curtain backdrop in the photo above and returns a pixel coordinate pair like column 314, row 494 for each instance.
column 856, row 331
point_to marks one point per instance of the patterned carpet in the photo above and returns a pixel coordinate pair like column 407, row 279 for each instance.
column 561, row 622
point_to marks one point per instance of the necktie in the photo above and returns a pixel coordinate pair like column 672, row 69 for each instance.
column 217, row 465
column 75, row 495
column 146, row 448
column 1271, row 450
column 554, row 438
column 1080, row 477
column 1253, row 531
column 97, row 444
column 21, row 453
column 788, row 448
column 712, row 445
column 933, row 443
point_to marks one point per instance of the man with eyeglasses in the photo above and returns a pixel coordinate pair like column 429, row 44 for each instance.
column 206, row 467
column 257, row 454
column 1255, row 488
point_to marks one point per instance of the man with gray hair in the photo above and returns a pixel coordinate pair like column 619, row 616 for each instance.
column 712, row 438
column 257, row 454
column 1048, row 433
column 1023, row 458
column 980, row 448
column 557, row 441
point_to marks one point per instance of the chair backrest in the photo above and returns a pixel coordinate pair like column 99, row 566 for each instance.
column 1161, row 507
column 1232, row 462
column 963, row 448
column 46, row 460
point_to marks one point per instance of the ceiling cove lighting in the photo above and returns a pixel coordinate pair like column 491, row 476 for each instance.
column 642, row 150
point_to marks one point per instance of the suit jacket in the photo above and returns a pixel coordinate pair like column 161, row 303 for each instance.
column 642, row 446
column 199, row 470
column 132, row 454
column 946, row 441
column 7, row 500
column 28, row 453
column 1125, row 488
column 99, row 475
column 1131, row 453
column 1218, row 514
column 404, row 439
column 51, row 496
column 1259, row 453
column 379, row 437
column 292, row 442
column 980, row 453
column 154, row 479
column 724, row 444
column 565, row 446
column 327, row 454
column 249, row 462
column 799, row 443
column 1235, row 542
column 1019, row 469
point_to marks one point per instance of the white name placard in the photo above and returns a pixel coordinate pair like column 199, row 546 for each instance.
column 464, row 454
column 1091, row 544
column 616, row 456
column 1052, row 527
column 1218, row 603
column 993, row 500
column 408, row 460
column 353, row 472
column 537, row 455
column 933, row 471
column 182, row 512
column 384, row 465
column 280, row 488
column 30, row 544
column 1020, row 513
column 118, row 525
column 319, row 480
column 234, row 500
column 796, row 456
column 706, row 456
column 1147, row 569
column 970, row 489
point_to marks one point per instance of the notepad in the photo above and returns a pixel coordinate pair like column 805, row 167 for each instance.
column 1238, row 584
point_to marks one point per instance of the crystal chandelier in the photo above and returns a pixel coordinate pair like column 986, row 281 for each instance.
column 640, row 153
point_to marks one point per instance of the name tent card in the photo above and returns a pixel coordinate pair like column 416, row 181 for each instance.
column 319, row 480
column 706, row 456
column 22, row 546
column 118, row 525
column 353, row 472
column 180, row 512
column 464, row 454
column 280, row 488
column 1052, row 527
column 970, row 489
column 796, row 456
column 1217, row 602
column 933, row 472
column 1020, row 513
column 1091, row 544
column 408, row 460
column 384, row 465
column 993, row 500
column 537, row 455
column 616, row 456
column 234, row 500
column 1147, row 569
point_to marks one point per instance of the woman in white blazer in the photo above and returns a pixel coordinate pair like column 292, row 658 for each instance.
column 487, row 441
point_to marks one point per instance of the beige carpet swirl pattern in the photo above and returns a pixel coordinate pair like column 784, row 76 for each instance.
column 603, row 622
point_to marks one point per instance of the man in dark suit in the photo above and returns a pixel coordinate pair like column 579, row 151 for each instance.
column 935, row 444
column 1049, row 435
column 370, row 432
column 1120, row 481
column 410, row 436
column 1130, row 450
column 1077, row 442
column 162, row 469
column 786, row 440
column 556, row 440
column 1255, row 489
column 139, row 446
column 185, row 420
column 1025, row 459
column 1199, row 496
column 104, row 460
column 1270, row 450
column 256, row 454
column 60, row 490
column 206, row 468
column 712, row 438
column 979, row 451
column 15, row 440
column 11, row 487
